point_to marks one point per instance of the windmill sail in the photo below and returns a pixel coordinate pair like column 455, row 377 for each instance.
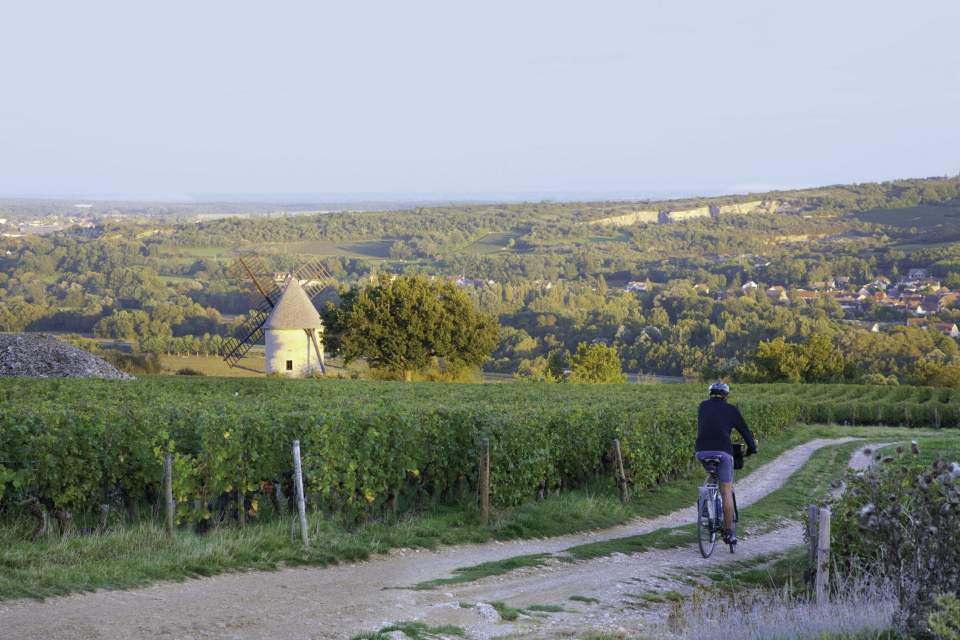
column 247, row 334
column 251, row 272
column 314, row 277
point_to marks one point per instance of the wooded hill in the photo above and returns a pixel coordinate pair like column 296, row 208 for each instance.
column 551, row 275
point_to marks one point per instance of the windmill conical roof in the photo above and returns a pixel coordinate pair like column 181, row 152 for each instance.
column 294, row 310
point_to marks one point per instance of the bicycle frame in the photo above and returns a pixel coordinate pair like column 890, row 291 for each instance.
column 710, row 494
column 710, row 512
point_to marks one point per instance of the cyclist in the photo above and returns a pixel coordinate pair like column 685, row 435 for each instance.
column 716, row 418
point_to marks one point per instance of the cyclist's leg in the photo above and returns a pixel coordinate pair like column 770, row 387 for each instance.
column 725, row 474
column 726, row 491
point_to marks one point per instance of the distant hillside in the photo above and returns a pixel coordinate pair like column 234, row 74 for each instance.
column 662, row 281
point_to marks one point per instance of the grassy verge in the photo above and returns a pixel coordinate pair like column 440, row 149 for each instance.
column 763, row 571
column 478, row 571
column 767, row 597
column 413, row 631
column 131, row 556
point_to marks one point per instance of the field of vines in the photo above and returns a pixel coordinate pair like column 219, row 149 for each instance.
column 78, row 447
column 867, row 405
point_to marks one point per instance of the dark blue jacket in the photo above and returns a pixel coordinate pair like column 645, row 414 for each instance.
column 716, row 418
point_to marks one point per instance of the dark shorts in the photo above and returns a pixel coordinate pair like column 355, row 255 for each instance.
column 725, row 470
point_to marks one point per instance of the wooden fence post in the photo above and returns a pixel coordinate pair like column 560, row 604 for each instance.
column 621, row 474
column 298, row 485
column 104, row 518
column 168, row 490
column 485, row 482
column 279, row 498
column 813, row 519
column 823, row 556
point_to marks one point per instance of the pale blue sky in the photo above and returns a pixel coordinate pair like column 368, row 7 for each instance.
column 487, row 99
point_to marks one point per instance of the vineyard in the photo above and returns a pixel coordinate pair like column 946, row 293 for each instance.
column 80, row 448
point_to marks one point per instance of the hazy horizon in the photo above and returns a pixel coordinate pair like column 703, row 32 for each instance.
column 306, row 102
column 314, row 198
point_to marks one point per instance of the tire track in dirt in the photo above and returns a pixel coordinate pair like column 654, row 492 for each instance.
column 340, row 601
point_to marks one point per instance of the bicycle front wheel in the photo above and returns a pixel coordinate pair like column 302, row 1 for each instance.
column 706, row 533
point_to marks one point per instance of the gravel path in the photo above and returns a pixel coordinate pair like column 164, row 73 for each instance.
column 340, row 601
column 618, row 582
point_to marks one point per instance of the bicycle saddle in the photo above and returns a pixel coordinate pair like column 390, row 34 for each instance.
column 711, row 463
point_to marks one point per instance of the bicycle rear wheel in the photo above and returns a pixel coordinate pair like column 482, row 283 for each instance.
column 706, row 533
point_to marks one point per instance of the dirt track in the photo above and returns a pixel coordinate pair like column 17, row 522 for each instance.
column 340, row 601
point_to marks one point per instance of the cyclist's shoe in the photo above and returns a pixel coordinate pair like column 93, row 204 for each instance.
column 729, row 536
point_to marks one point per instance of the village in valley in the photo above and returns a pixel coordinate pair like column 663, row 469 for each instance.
column 914, row 299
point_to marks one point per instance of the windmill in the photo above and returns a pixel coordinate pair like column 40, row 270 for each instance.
column 279, row 309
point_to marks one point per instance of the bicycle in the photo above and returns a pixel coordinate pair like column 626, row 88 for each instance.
column 710, row 510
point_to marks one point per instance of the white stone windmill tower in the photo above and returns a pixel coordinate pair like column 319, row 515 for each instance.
column 285, row 317
column 292, row 346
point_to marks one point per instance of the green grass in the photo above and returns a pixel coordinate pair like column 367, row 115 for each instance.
column 510, row 614
column 174, row 279
column 765, row 571
column 251, row 365
column 379, row 248
column 413, row 631
column 545, row 608
column 658, row 597
column 137, row 555
column 492, row 243
column 931, row 448
column 203, row 252
column 506, row 612
column 924, row 217
column 584, row 599
column 486, row 569
column 888, row 634
column 910, row 247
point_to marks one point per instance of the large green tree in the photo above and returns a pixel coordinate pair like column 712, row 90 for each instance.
column 777, row 360
column 817, row 360
column 596, row 363
column 405, row 324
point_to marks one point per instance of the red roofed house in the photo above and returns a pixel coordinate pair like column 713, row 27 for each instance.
column 947, row 328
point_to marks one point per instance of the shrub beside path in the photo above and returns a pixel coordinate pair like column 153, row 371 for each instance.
column 341, row 601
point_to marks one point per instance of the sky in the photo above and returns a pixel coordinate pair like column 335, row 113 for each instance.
column 485, row 100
